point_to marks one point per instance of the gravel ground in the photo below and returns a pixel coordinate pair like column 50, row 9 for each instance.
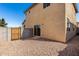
column 39, row 47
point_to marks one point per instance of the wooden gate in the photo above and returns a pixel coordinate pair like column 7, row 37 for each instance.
column 15, row 33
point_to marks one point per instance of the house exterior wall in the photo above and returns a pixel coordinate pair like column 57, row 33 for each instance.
column 51, row 20
column 26, row 33
column 54, row 22
column 77, row 24
column 71, row 15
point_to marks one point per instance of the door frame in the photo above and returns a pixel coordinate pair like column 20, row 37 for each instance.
column 36, row 30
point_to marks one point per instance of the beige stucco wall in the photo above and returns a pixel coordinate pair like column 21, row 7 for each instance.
column 54, row 22
column 50, row 19
column 70, row 13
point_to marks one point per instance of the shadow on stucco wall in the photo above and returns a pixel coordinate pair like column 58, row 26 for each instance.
column 27, row 33
column 72, row 48
column 77, row 31
column 71, row 31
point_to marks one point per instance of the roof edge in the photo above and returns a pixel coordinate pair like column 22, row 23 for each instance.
column 75, row 6
column 30, row 7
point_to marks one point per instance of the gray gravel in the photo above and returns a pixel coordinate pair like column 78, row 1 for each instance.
column 39, row 47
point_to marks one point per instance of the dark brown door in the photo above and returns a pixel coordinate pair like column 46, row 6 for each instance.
column 37, row 30
column 15, row 33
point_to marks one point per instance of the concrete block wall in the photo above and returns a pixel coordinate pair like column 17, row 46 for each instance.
column 3, row 33
column 9, row 34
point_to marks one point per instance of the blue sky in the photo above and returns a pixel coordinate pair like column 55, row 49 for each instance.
column 77, row 15
column 13, row 13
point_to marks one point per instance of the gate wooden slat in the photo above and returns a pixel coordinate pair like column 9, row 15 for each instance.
column 15, row 33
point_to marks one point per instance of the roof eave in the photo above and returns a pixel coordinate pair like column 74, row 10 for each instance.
column 30, row 8
column 75, row 7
